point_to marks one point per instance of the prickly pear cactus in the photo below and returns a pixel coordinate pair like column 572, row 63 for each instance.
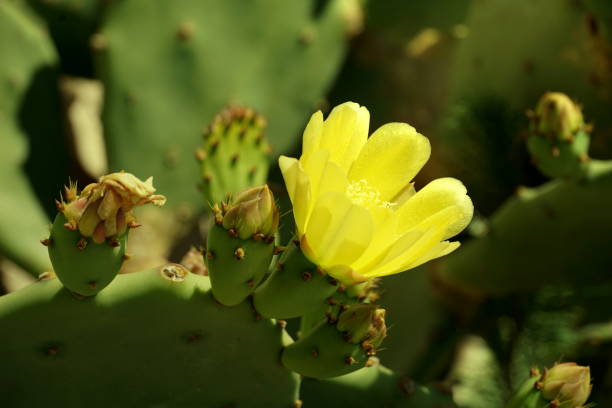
column 187, row 349
column 195, row 57
column 29, row 118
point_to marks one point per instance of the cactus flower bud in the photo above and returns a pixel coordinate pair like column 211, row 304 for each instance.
column 104, row 209
column 252, row 211
column 558, row 137
column 557, row 116
column 363, row 323
column 568, row 384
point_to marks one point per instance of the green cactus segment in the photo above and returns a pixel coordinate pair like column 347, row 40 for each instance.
column 235, row 154
column 195, row 57
column 323, row 353
column 373, row 386
column 27, row 82
column 153, row 338
column 566, row 214
column 558, row 138
column 295, row 288
column 83, row 266
column 236, row 266
column 340, row 345
column 500, row 71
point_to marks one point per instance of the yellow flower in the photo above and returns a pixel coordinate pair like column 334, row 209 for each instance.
column 357, row 214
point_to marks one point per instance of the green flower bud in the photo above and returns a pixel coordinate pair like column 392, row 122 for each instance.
column 567, row 384
column 363, row 323
column 557, row 117
column 252, row 211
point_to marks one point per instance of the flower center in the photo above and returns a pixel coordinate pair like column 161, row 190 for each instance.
column 361, row 193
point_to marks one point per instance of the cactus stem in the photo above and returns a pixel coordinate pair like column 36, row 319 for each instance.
column 239, row 254
column 306, row 276
column 46, row 242
column 81, row 243
column 350, row 360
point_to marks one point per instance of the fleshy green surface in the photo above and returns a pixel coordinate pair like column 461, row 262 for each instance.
column 86, row 271
column 541, row 236
column 193, row 58
column 26, row 60
column 234, row 279
column 375, row 386
column 143, row 341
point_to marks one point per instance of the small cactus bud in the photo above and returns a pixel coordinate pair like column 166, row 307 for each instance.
column 252, row 211
column 363, row 323
column 568, row 383
column 557, row 116
column 558, row 138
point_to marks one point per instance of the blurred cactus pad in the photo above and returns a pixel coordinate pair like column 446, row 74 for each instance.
column 306, row 204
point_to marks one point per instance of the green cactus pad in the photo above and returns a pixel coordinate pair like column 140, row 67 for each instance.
column 324, row 353
column 569, row 245
column 30, row 134
column 234, row 155
column 83, row 271
column 236, row 266
column 195, row 57
column 374, row 386
column 561, row 158
column 151, row 339
column 295, row 287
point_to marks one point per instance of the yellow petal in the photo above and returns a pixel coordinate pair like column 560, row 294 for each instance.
column 446, row 196
column 439, row 250
column 345, row 131
column 311, row 138
column 391, row 158
column 324, row 175
column 412, row 246
column 385, row 226
column 298, row 187
column 338, row 231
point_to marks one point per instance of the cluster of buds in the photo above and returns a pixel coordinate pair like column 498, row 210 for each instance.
column 252, row 213
column 103, row 210
column 566, row 385
column 363, row 324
